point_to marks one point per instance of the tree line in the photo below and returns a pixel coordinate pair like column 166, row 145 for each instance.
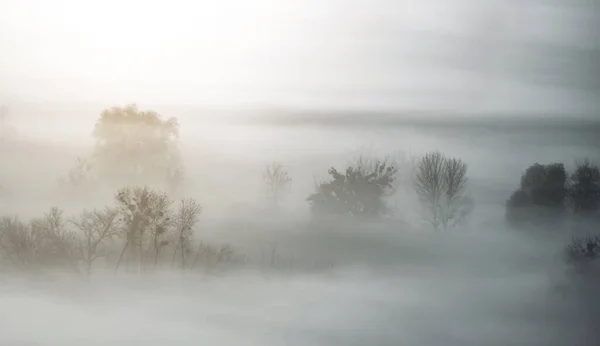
column 145, row 229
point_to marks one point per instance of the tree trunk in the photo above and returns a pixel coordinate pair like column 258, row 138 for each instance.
column 121, row 256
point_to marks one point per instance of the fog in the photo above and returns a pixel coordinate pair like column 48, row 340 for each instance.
column 462, row 55
column 356, row 284
column 500, row 85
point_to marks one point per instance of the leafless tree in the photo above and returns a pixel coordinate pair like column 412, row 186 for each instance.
column 441, row 184
column 209, row 257
column 80, row 174
column 97, row 226
column 42, row 242
column 143, row 211
column 20, row 244
column 277, row 181
column 186, row 218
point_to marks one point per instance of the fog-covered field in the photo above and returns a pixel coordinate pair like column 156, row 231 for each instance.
column 385, row 283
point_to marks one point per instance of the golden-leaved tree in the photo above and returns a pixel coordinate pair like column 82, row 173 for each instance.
column 132, row 146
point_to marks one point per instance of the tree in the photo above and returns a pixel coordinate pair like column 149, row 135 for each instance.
column 441, row 184
column 186, row 218
column 359, row 191
column 584, row 192
column 132, row 144
column 79, row 175
column 20, row 243
column 541, row 195
column 97, row 226
column 277, row 181
column 143, row 212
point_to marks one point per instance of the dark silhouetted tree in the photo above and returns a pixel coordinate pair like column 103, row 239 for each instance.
column 584, row 192
column 441, row 184
column 541, row 196
column 359, row 191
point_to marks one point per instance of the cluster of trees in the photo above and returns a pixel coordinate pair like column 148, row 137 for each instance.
column 135, row 148
column 548, row 195
column 548, row 192
column 364, row 188
column 144, row 230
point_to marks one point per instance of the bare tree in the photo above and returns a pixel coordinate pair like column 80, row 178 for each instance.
column 60, row 244
column 42, row 242
column 80, row 174
column 277, row 181
column 96, row 226
column 185, row 219
column 441, row 184
column 20, row 244
column 143, row 211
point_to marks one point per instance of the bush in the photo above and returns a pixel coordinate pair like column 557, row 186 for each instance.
column 583, row 252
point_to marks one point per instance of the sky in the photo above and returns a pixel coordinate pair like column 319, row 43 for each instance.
column 493, row 55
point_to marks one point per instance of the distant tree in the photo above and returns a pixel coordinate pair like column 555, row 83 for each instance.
column 80, row 174
column 185, row 219
column 441, row 184
column 58, row 244
column 518, row 207
column 96, row 226
column 133, row 145
column 359, row 191
column 277, row 182
column 584, row 192
column 541, row 195
column 209, row 257
column 583, row 252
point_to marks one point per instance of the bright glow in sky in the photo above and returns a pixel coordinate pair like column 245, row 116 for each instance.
column 394, row 53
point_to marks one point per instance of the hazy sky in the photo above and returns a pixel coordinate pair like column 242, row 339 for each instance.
column 461, row 54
